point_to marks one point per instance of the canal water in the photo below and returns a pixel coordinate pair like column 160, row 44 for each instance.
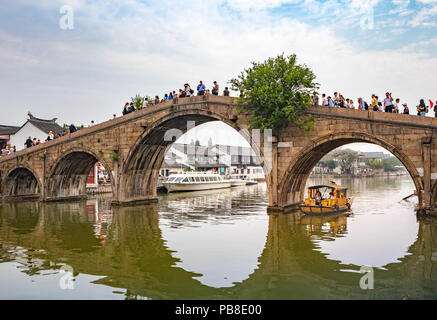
column 220, row 244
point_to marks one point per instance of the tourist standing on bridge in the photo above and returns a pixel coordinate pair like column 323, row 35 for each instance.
column 374, row 103
column 226, row 92
column 421, row 108
column 315, row 99
column 342, row 103
column 215, row 89
column 324, row 100
column 4, row 151
column 145, row 103
column 330, row 102
column 50, row 136
column 200, row 89
column 433, row 107
column 388, row 102
column 336, row 99
column 72, row 128
column 406, row 111
column 125, row 109
column 379, row 104
column 361, row 104
column 396, row 105
column 188, row 91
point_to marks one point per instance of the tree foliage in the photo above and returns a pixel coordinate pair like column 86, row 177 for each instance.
column 331, row 164
column 276, row 91
column 389, row 165
column 344, row 158
column 138, row 101
column 374, row 163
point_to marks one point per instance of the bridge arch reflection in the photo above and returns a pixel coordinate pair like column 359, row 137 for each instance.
column 125, row 247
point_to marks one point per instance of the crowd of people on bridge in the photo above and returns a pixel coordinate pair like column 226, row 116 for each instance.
column 32, row 142
column 377, row 104
column 387, row 104
column 187, row 91
column 8, row 150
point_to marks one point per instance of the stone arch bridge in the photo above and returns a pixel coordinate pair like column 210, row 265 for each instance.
column 132, row 149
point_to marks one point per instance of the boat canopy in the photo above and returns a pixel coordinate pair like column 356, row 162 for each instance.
column 334, row 187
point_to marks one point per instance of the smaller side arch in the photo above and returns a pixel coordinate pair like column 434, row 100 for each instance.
column 68, row 175
column 21, row 183
column 291, row 188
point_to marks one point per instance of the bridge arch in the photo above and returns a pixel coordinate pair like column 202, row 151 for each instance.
column 139, row 175
column 292, row 187
column 68, row 175
column 21, row 182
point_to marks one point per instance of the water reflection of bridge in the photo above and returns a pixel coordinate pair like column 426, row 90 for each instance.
column 129, row 252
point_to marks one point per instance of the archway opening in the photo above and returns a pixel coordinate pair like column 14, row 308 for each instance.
column 21, row 183
column 370, row 233
column 70, row 175
column 165, row 144
column 292, row 190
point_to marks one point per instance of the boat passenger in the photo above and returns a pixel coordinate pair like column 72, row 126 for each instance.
column 318, row 198
column 331, row 196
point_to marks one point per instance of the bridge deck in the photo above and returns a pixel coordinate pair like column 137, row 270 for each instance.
column 398, row 119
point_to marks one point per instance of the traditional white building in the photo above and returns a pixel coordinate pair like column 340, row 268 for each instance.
column 5, row 134
column 34, row 128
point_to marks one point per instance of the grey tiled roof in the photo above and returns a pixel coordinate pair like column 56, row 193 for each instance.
column 8, row 130
column 47, row 125
column 44, row 125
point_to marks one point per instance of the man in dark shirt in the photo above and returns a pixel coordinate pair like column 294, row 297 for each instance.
column 29, row 142
column 72, row 128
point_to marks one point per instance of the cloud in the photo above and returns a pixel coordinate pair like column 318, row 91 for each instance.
column 257, row 4
column 117, row 51
column 426, row 17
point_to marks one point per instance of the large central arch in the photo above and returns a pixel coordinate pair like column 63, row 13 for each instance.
column 139, row 175
column 292, row 186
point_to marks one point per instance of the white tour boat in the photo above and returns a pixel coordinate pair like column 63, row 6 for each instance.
column 195, row 181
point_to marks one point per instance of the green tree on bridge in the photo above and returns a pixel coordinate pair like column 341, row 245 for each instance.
column 276, row 91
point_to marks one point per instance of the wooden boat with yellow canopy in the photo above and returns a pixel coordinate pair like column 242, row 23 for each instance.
column 326, row 199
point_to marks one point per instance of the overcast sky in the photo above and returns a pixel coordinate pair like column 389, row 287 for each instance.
column 118, row 49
